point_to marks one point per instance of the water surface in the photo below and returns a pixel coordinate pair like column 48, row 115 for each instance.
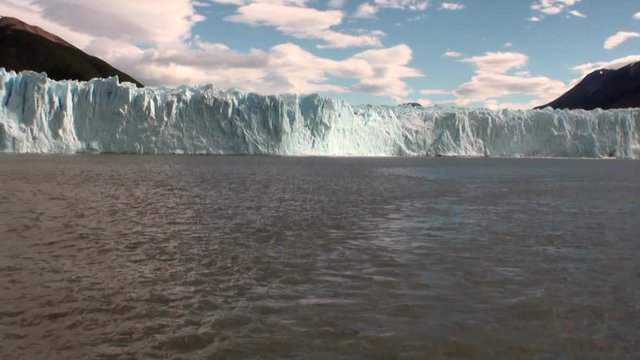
column 220, row 257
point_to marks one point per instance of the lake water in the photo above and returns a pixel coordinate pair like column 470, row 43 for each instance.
column 225, row 257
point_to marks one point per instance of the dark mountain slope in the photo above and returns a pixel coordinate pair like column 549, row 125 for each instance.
column 606, row 89
column 26, row 47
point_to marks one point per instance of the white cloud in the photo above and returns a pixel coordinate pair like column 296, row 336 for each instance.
column 369, row 9
column 285, row 68
column 499, row 105
column 133, row 21
column 619, row 38
column 210, row 55
column 493, row 81
column 366, row 10
column 636, row 16
column 577, row 13
column 293, row 69
column 522, row 73
column 498, row 62
column 27, row 4
column 415, row 5
column 429, row 92
column 335, row 39
column 389, row 66
column 491, row 87
column 173, row 55
column 303, row 23
column 198, row 3
column 544, row 8
column 451, row 6
column 552, row 7
column 415, row 18
column 424, row 102
column 587, row 68
column 293, row 20
column 452, row 54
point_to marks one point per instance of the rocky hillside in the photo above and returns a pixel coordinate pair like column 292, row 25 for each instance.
column 606, row 89
column 26, row 47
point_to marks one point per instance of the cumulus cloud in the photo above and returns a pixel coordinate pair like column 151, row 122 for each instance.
column 451, row 6
column 293, row 69
column 499, row 105
column 587, row 68
column 552, row 7
column 486, row 86
column 429, row 92
column 304, row 23
column 285, row 68
column 161, row 49
column 415, row 5
column 544, row 8
column 293, row 20
column 424, row 102
column 365, row 10
column 498, row 62
column 636, row 16
column 135, row 21
column 452, row 54
column 494, row 80
column 390, row 67
column 369, row 9
column 424, row 97
column 619, row 38
column 212, row 56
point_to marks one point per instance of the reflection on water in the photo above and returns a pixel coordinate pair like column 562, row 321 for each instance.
column 198, row 257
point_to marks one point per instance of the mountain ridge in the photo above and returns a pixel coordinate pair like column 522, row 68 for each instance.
column 28, row 47
column 605, row 89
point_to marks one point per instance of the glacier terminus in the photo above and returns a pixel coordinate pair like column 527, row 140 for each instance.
column 39, row 115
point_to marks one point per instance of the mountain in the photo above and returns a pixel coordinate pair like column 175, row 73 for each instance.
column 26, row 47
column 606, row 89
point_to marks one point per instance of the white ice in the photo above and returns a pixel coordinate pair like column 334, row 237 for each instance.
column 39, row 115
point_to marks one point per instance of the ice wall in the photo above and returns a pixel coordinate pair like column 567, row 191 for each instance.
column 38, row 115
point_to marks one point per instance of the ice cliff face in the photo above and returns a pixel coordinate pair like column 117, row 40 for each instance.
column 38, row 115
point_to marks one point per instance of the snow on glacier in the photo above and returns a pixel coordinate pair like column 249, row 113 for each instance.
column 39, row 115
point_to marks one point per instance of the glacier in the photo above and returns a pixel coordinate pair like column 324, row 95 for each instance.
column 39, row 115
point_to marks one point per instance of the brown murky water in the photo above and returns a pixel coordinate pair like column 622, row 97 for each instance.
column 204, row 257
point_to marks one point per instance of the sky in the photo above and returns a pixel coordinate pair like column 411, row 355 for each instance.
column 474, row 53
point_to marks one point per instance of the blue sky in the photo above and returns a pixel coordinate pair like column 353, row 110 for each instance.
column 493, row 53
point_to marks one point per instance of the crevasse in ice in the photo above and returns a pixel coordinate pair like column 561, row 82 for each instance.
column 39, row 115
